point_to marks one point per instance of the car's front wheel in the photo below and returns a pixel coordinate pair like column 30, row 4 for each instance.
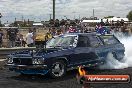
column 58, row 69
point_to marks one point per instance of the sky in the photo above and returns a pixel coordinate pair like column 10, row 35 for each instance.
column 39, row 10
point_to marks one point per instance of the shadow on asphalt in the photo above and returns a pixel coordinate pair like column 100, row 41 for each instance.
column 46, row 79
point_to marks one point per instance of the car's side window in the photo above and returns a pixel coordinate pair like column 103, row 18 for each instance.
column 109, row 40
column 95, row 41
column 83, row 41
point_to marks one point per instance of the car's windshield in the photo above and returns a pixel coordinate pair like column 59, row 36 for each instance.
column 61, row 41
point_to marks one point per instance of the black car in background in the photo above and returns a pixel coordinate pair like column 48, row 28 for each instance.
column 66, row 52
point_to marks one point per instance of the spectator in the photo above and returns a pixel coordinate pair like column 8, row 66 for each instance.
column 102, row 23
column 59, row 32
column 62, row 22
column 57, row 24
column 11, row 34
column 1, row 38
column 118, row 25
column 29, row 38
column 23, row 42
column 68, row 23
column 53, row 31
column 107, row 23
column 122, row 22
column 124, row 30
column 51, row 23
column 71, row 30
column 112, row 25
column 34, row 33
column 73, row 23
column 18, row 41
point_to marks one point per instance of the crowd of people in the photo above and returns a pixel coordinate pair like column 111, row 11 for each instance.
column 15, row 39
column 114, row 26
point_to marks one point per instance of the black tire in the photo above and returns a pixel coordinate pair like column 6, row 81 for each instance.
column 59, row 70
column 114, row 55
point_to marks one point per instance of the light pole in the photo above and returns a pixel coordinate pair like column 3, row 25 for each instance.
column 50, row 16
column 93, row 14
column 54, row 10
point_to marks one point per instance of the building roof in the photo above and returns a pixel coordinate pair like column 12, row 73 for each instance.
column 37, row 24
column 91, row 21
column 115, row 19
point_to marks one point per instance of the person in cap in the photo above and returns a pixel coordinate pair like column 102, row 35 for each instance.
column 11, row 35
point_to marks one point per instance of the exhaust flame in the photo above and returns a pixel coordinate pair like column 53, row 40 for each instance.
column 82, row 72
column 112, row 63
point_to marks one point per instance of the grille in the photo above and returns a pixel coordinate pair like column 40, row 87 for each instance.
column 22, row 61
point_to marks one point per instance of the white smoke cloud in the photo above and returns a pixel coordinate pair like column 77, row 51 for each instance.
column 112, row 63
column 128, row 49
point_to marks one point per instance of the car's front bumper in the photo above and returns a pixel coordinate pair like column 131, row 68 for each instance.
column 28, row 69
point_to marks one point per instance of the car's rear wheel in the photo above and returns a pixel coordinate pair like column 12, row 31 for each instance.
column 58, row 69
column 114, row 55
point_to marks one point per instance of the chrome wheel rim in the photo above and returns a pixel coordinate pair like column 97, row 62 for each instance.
column 58, row 69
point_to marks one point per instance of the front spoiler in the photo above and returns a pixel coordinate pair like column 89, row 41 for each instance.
column 28, row 69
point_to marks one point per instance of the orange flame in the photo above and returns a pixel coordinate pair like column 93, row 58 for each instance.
column 82, row 72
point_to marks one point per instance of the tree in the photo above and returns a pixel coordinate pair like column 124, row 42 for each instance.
column 129, row 16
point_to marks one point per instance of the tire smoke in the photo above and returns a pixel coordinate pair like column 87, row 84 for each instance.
column 112, row 63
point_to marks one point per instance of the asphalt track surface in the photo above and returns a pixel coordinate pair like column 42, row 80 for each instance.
column 10, row 79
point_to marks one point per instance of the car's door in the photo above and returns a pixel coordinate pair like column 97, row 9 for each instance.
column 83, row 53
column 79, row 52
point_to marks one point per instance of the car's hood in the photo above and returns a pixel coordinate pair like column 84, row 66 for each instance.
column 33, row 53
column 45, row 51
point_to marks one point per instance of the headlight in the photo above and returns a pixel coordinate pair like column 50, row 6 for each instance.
column 38, row 61
column 32, row 51
column 10, row 60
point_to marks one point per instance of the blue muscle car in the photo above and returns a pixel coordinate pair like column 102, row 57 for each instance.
column 66, row 52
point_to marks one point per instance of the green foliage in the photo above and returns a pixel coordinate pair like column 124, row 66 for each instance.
column 129, row 16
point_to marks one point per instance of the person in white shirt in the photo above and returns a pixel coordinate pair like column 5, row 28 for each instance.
column 29, row 39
